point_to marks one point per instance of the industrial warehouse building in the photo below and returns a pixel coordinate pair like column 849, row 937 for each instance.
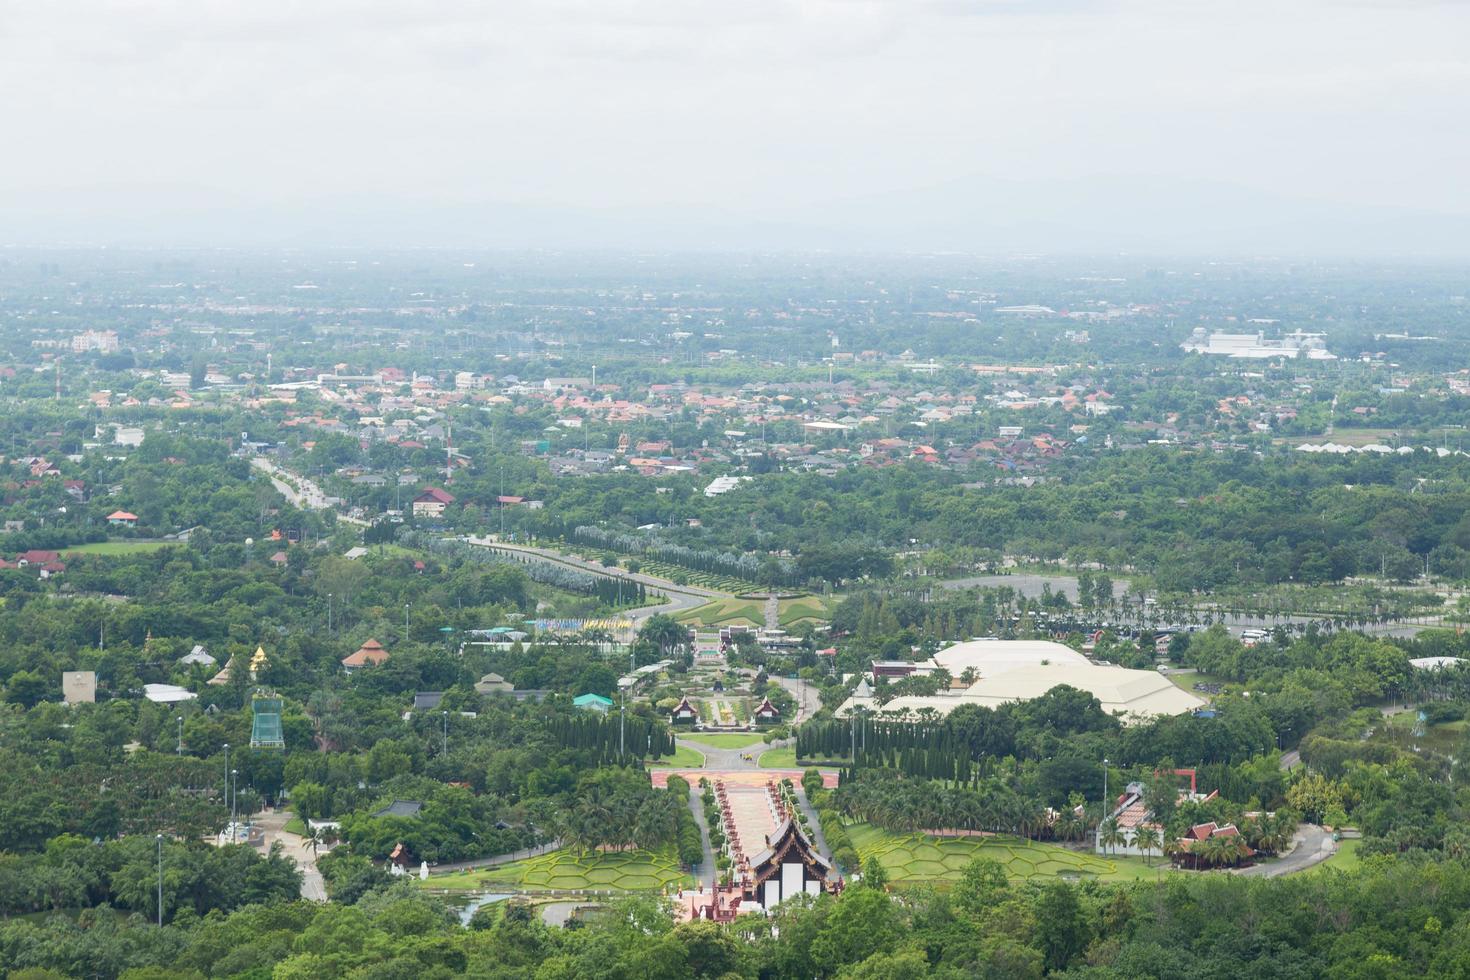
column 1019, row 670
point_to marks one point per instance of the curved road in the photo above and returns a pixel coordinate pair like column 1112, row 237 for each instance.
column 1311, row 845
column 679, row 597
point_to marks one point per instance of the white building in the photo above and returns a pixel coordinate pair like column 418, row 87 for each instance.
column 1257, row 346
column 723, row 484
column 102, row 341
column 1020, row 670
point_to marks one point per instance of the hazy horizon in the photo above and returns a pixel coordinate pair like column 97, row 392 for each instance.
column 1077, row 126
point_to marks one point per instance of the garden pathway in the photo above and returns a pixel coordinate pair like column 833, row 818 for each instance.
column 490, row 862
column 706, row 875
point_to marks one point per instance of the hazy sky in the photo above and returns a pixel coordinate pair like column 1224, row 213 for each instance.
column 755, row 110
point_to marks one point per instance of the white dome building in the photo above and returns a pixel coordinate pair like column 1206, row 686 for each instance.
column 1019, row 670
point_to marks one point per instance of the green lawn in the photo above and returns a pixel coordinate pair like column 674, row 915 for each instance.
column 683, row 758
column 569, row 871
column 297, row 826
column 118, row 547
column 1346, row 858
column 917, row 857
column 806, row 609
column 726, row 612
column 733, row 740
column 785, row 758
column 782, row 758
column 1186, row 682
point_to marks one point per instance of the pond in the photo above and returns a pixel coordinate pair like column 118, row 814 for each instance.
column 477, row 902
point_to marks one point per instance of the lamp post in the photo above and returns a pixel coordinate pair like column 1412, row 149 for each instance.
column 180, row 749
column 159, row 838
column 329, row 612
column 445, row 750
column 227, row 775
column 405, row 621
column 234, row 799
column 1105, row 814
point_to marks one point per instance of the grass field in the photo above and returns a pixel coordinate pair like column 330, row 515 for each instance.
column 806, row 609
column 782, row 758
column 569, row 871
column 1346, row 858
column 726, row 612
column 785, row 758
column 297, row 826
column 916, row 857
column 1186, row 682
column 117, row 547
column 726, row 741
column 683, row 758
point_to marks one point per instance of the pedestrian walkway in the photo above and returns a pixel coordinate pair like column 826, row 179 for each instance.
column 490, row 862
column 272, row 824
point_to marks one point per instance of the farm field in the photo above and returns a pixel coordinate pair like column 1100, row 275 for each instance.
column 569, row 871
column 118, row 547
column 917, row 857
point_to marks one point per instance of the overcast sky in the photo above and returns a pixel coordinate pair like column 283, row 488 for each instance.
column 781, row 114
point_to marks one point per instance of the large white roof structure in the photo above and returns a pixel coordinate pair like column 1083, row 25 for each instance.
column 1434, row 663
column 1019, row 670
column 991, row 657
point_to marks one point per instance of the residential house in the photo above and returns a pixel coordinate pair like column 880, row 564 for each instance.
column 431, row 502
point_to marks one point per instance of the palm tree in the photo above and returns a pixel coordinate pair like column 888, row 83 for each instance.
column 1146, row 839
column 1109, row 835
column 1171, row 848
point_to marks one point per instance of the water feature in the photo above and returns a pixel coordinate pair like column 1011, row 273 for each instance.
column 477, row 902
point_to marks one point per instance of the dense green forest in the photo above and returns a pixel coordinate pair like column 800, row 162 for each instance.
column 1393, row 919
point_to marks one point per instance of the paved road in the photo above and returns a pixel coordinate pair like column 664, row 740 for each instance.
column 706, row 875
column 722, row 759
column 310, row 496
column 678, row 597
column 1030, row 586
column 498, row 859
column 816, row 826
column 272, row 824
column 807, row 699
column 1310, row 845
column 1290, row 760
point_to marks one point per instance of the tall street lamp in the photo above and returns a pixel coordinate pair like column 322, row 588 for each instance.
column 234, row 799
column 160, row 880
column 445, row 750
column 227, row 775
column 180, row 749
